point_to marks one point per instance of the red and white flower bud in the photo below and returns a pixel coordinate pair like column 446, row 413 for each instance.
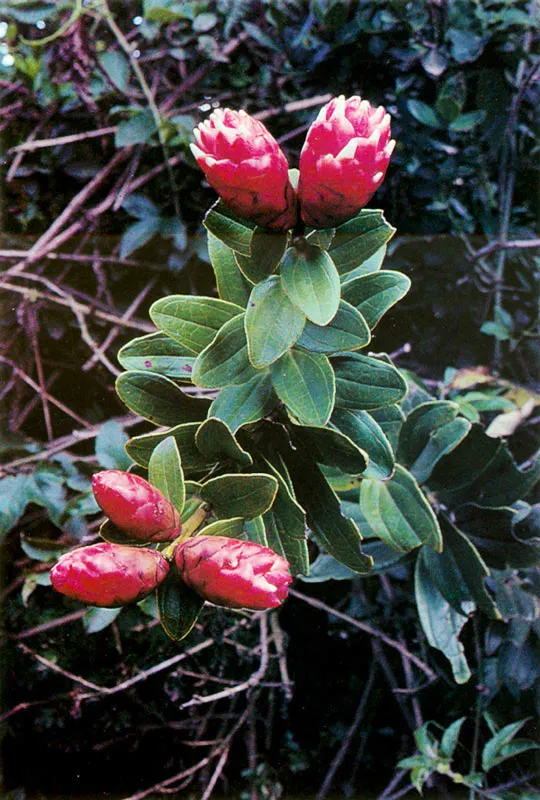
column 343, row 161
column 135, row 506
column 246, row 166
column 109, row 575
column 233, row 573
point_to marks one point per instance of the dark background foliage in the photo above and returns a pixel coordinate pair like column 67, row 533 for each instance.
column 100, row 214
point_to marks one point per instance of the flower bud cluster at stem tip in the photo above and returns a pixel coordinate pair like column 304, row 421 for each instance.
column 136, row 507
column 233, row 573
column 343, row 162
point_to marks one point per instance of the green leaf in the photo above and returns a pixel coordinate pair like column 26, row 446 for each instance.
column 481, row 470
column 466, row 122
column 430, row 432
column 137, row 235
column 166, row 474
column 138, row 129
column 330, row 447
column 225, row 361
column 500, row 746
column 390, row 419
column 398, row 512
column 233, row 528
column 110, row 446
column 425, row 114
column 442, row 625
column 179, row 606
column 364, row 383
column 285, row 524
column 347, row 331
column 158, row 352
column 236, row 233
column 441, row 441
column 371, row 264
column 250, row 402
column 374, row 294
column 450, row 738
column 192, row 321
column 367, row 434
column 158, row 399
column 305, row 383
column 231, row 284
column 459, row 572
column 140, row 206
column 326, row 568
column 419, row 425
column 358, row 239
column 255, row 531
column 97, row 619
column 311, row 280
column 267, row 249
column 245, row 496
column 336, row 533
column 216, row 440
column 140, row 448
column 451, row 97
column 273, row 323
column 117, row 68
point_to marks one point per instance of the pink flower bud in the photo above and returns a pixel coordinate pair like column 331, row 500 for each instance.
column 135, row 506
column 233, row 573
column 343, row 161
column 245, row 165
column 109, row 575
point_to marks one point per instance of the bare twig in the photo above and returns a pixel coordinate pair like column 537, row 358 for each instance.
column 30, row 146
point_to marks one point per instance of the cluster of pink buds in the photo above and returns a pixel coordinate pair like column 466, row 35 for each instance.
column 343, row 162
column 224, row 571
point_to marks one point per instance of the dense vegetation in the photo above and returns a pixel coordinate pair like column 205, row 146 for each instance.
column 100, row 215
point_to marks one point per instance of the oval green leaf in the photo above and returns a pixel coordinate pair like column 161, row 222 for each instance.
column 236, row 233
column 240, row 405
column 330, row 447
column 310, row 278
column 305, row 383
column 166, row 474
column 398, row 512
column 158, row 352
column 225, row 362
column 140, row 448
column 273, row 323
column 358, row 239
column 179, row 606
column 215, row 440
column 374, row 294
column 245, row 496
column 231, row 284
column 347, row 331
column 336, row 533
column 158, row 399
column 192, row 321
column 366, row 383
column 267, row 249
column 366, row 433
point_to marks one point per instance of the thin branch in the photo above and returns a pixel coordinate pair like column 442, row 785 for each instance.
column 250, row 683
column 65, row 442
column 29, row 146
column 516, row 244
